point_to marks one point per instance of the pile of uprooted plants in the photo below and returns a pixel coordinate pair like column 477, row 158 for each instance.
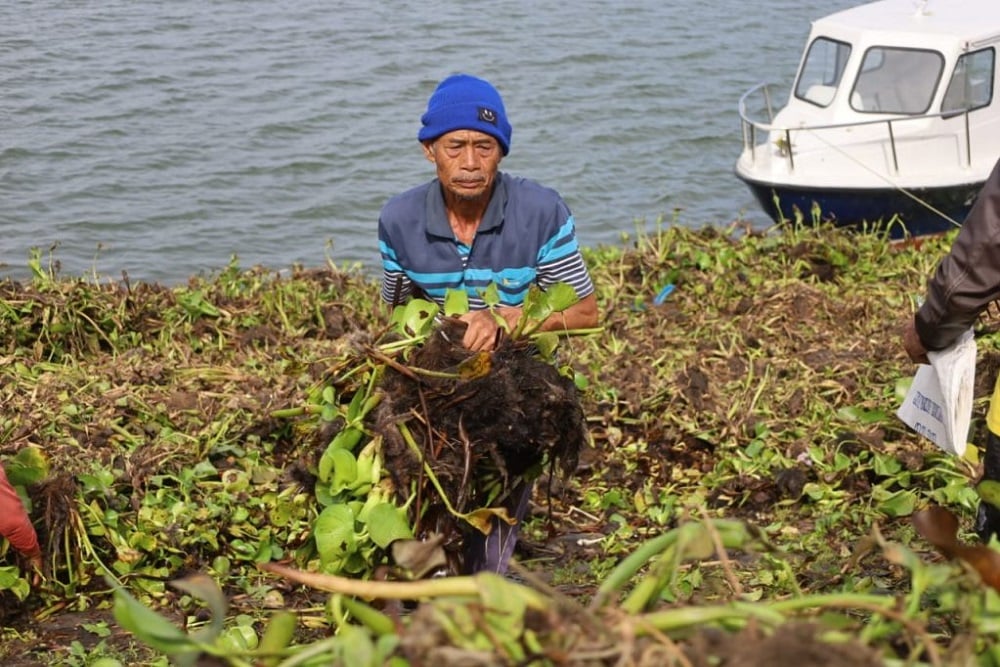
column 228, row 470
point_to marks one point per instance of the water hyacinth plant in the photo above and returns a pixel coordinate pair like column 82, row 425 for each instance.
column 369, row 504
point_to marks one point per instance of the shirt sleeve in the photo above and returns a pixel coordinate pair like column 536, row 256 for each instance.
column 560, row 261
column 15, row 525
column 967, row 279
column 396, row 285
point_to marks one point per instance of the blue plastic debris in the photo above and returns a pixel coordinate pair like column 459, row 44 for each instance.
column 664, row 293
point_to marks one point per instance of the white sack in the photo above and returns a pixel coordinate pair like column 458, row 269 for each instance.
column 939, row 402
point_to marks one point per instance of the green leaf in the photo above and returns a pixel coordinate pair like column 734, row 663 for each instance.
column 357, row 646
column 491, row 295
column 100, row 480
column 11, row 580
column 561, row 296
column 374, row 620
column 29, row 466
column 279, row 634
column 345, row 470
column 703, row 260
column 416, row 318
column 989, row 490
column 369, row 405
column 334, row 533
column 539, row 304
column 237, row 639
column 354, row 409
column 536, row 306
column 854, row 413
column 885, row 465
column 364, row 473
column 900, row 503
column 456, row 302
column 387, row 523
column 505, row 604
column 345, row 441
column 547, row 344
column 204, row 588
column 153, row 629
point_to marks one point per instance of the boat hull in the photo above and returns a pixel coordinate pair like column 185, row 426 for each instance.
column 917, row 212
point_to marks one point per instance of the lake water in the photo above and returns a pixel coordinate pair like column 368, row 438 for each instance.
column 163, row 138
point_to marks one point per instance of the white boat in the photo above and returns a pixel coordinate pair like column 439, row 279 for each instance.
column 892, row 124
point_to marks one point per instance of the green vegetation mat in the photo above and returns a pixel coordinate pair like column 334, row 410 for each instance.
column 745, row 494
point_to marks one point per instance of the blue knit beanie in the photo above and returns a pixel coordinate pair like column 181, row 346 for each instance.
column 463, row 102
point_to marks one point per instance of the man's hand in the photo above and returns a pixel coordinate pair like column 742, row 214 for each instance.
column 482, row 325
column 481, row 333
column 911, row 343
column 33, row 565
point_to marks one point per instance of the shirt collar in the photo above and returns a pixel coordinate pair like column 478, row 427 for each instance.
column 437, row 216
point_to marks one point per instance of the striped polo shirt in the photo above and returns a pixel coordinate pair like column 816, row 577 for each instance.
column 526, row 236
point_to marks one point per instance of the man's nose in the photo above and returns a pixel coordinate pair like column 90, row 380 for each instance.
column 469, row 159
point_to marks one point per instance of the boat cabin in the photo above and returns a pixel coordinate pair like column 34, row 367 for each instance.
column 892, row 117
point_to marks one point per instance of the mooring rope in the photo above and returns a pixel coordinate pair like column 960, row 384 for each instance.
column 883, row 178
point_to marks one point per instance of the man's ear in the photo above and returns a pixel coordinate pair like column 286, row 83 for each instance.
column 429, row 151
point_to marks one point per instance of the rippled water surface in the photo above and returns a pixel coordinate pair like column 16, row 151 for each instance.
column 163, row 138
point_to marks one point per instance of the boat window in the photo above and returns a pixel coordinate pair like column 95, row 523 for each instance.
column 971, row 85
column 822, row 70
column 894, row 80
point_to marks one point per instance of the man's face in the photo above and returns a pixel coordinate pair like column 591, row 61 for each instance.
column 467, row 162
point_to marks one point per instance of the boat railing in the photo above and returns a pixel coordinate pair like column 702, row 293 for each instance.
column 752, row 128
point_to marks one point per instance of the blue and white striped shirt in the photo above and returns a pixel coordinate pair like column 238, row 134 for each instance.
column 526, row 236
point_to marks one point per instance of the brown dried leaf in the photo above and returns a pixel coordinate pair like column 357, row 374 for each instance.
column 420, row 556
column 940, row 527
column 478, row 365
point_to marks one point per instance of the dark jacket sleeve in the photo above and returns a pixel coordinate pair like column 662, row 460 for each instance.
column 14, row 522
column 968, row 278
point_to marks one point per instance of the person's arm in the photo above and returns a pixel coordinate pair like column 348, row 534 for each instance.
column 15, row 525
column 559, row 261
column 396, row 286
column 481, row 332
column 581, row 315
column 967, row 279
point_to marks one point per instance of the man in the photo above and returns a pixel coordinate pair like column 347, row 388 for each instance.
column 474, row 225
column 965, row 282
column 16, row 527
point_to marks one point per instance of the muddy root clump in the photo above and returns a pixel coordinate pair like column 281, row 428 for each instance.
column 482, row 422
